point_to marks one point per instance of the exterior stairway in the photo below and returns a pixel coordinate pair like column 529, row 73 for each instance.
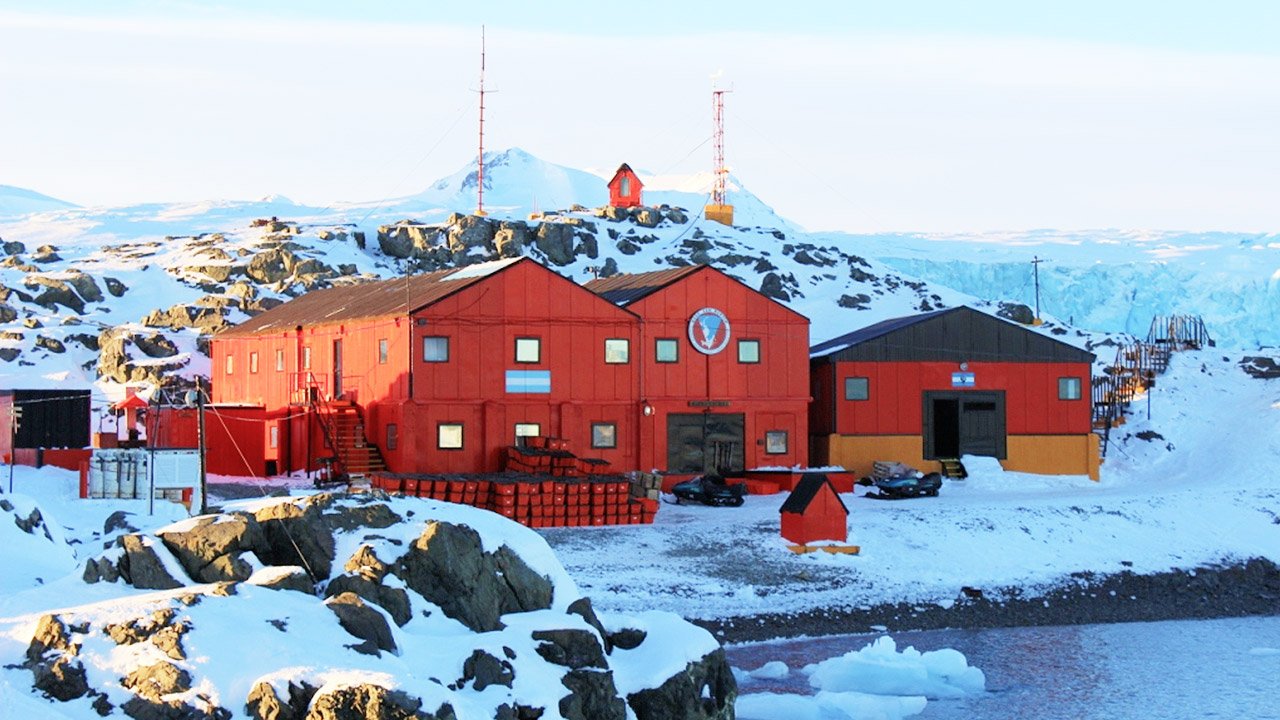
column 953, row 469
column 357, row 457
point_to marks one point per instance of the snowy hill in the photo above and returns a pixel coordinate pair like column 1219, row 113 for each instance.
column 125, row 294
column 16, row 201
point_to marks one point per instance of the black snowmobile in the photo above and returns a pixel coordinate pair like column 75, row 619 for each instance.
column 710, row 489
column 898, row 488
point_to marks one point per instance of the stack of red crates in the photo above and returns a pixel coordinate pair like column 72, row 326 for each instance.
column 532, row 500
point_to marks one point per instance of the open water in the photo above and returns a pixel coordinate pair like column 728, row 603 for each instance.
column 1174, row 670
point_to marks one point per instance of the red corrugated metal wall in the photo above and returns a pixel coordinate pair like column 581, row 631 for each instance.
column 895, row 389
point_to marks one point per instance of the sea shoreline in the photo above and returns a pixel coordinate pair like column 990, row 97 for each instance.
column 1249, row 587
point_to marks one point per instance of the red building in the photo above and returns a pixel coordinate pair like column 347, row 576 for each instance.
column 625, row 187
column 724, row 371
column 813, row 512
column 441, row 372
column 955, row 382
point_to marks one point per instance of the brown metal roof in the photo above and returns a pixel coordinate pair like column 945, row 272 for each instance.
column 385, row 298
column 625, row 289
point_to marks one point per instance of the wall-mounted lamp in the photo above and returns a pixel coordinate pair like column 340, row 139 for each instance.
column 647, row 409
column 964, row 366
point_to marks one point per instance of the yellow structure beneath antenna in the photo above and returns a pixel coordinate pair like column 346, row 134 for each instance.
column 722, row 214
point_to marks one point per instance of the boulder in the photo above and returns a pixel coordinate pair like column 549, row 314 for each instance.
column 571, row 648
column 1016, row 312
column 555, row 242
column 141, row 708
column 511, row 238
column 155, row 345
column 484, row 670
column 363, row 622
column 392, row 599
column 447, row 565
column 470, row 231
column 264, row 704
column 217, row 273
column 289, row 577
column 51, row 635
column 53, row 345
column 7, row 313
column 243, row 290
column 706, row 690
column 62, row 678
column 86, row 286
column 371, row 702
column 676, row 215
column 771, row 286
column 56, row 292
column 648, row 217
column 270, row 266
column 46, row 254
column 209, row 548
column 155, row 681
column 592, row 696
column 13, row 247
column 297, row 533
column 115, row 287
column 141, row 566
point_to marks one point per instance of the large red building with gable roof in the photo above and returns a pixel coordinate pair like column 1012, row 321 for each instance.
column 678, row 370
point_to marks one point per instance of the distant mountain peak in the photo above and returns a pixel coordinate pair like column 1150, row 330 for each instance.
column 16, row 201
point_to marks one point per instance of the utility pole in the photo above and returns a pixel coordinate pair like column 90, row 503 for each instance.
column 1035, row 269
column 204, row 485
column 480, row 156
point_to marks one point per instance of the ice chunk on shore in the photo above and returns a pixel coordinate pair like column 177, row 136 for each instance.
column 879, row 669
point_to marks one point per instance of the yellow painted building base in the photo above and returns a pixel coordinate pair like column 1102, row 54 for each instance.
column 722, row 214
column 1040, row 454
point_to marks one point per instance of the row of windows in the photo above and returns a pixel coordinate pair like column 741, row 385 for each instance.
column 604, row 436
column 617, row 351
column 435, row 349
column 859, row 388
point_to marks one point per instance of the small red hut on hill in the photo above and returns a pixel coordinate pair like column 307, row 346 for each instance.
column 625, row 187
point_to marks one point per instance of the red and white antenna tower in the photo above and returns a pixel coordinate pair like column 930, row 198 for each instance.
column 717, row 190
column 718, row 210
column 480, row 154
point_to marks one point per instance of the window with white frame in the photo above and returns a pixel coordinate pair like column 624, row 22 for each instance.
column 528, row 350
column 749, row 351
column 449, row 436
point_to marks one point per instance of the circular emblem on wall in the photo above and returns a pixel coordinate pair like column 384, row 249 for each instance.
column 709, row 331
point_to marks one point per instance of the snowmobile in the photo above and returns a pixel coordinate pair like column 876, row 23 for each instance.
column 710, row 489
column 898, row 488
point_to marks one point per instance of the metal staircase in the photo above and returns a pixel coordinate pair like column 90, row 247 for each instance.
column 342, row 426
column 1136, row 367
column 953, row 469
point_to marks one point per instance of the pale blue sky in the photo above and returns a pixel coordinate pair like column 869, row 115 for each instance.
column 853, row 115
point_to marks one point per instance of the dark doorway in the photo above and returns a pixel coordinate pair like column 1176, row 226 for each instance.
column 964, row 423
column 946, row 428
column 337, row 369
column 699, row 442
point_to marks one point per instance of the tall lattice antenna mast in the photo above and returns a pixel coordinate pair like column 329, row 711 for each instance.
column 717, row 190
column 480, row 155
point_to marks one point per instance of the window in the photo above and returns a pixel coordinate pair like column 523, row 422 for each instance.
column 775, row 442
column 617, row 351
column 624, row 186
column 253, row 362
column 528, row 350
column 748, row 351
column 382, row 351
column 435, row 349
column 231, row 364
column 393, row 436
column 449, row 436
column 274, row 442
column 855, row 388
column 279, row 361
column 525, row 430
column 306, row 357
column 666, row 350
column 604, row 435
column 1069, row 388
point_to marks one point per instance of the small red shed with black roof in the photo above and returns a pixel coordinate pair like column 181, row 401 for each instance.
column 814, row 511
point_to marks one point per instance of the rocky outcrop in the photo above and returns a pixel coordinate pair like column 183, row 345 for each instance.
column 205, row 319
column 46, row 254
column 371, row 702
column 362, row 622
column 115, row 287
column 1016, row 312
column 55, row 292
column 448, row 566
column 555, row 242
column 210, row 549
column 706, row 690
